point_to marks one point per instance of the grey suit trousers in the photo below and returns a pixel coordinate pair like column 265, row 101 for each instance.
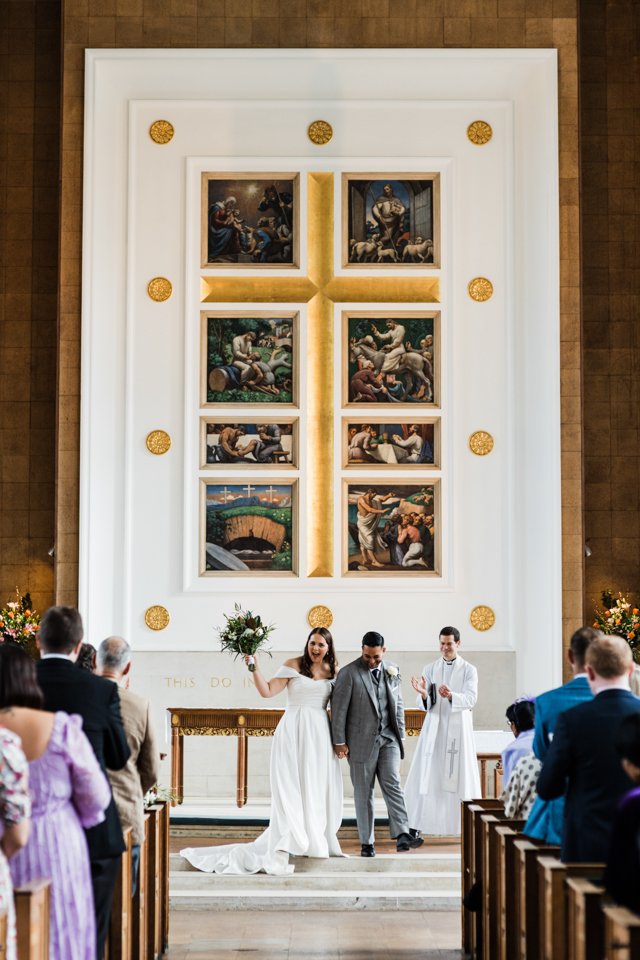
column 384, row 764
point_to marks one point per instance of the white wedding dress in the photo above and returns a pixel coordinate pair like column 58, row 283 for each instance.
column 306, row 791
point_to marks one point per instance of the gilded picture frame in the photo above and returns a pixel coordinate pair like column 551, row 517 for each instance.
column 248, row 528
column 391, row 528
column 250, row 220
column 390, row 221
column 400, row 442
column 391, row 359
column 228, row 375
column 256, row 443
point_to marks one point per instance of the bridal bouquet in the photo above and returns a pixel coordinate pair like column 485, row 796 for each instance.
column 244, row 634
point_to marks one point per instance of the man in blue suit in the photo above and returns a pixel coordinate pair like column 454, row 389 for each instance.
column 545, row 819
column 582, row 759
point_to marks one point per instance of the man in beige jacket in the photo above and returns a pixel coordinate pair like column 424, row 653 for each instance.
column 129, row 785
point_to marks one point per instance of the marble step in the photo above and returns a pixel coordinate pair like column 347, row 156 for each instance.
column 363, row 899
column 403, row 863
column 346, row 883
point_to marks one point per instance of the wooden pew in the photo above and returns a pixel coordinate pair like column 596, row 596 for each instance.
column 471, row 847
column 585, row 919
column 139, row 924
column 489, row 822
column 164, row 874
column 507, row 896
column 3, row 935
column 32, row 920
column 119, row 942
column 552, row 877
column 621, row 934
column 154, row 885
column 527, row 852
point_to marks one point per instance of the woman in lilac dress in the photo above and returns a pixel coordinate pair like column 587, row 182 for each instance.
column 69, row 792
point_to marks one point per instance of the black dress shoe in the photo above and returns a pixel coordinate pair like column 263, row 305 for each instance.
column 406, row 842
column 367, row 850
column 414, row 833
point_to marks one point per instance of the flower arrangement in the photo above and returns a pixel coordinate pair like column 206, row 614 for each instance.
column 158, row 794
column 19, row 621
column 244, row 634
column 619, row 616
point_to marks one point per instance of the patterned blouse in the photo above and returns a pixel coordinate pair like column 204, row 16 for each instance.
column 520, row 792
column 15, row 806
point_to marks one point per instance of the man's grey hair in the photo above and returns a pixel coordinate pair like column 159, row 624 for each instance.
column 113, row 654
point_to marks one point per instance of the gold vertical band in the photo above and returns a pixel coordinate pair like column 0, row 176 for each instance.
column 320, row 379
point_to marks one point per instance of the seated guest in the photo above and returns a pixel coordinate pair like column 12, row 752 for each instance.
column 65, row 687
column 622, row 876
column 68, row 792
column 546, row 817
column 15, row 810
column 520, row 716
column 87, row 657
column 519, row 794
column 582, row 759
column 140, row 773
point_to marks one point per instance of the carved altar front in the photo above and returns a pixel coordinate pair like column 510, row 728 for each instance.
column 243, row 723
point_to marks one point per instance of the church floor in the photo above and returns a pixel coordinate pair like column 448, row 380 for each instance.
column 347, row 934
column 302, row 935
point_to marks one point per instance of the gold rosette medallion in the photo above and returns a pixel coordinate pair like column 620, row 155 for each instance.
column 161, row 132
column 157, row 617
column 480, row 289
column 159, row 289
column 482, row 618
column 319, row 616
column 479, row 132
column 481, row 443
column 158, row 442
column 320, row 132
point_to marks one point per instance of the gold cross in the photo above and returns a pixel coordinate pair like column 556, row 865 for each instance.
column 320, row 290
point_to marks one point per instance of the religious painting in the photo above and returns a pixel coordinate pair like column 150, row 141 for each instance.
column 250, row 220
column 248, row 528
column 248, row 443
column 249, row 358
column 391, row 528
column 390, row 445
column 390, row 357
column 390, row 220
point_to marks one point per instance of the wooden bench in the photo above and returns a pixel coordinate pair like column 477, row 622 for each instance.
column 621, row 934
column 139, row 919
column 552, row 877
column 164, row 817
column 154, row 884
column 527, row 852
column 120, row 924
column 32, row 920
column 507, row 896
column 585, row 919
column 471, row 848
column 490, row 867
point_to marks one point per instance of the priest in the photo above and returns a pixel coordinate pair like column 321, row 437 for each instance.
column 444, row 770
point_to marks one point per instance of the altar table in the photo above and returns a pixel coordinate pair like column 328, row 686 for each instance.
column 243, row 723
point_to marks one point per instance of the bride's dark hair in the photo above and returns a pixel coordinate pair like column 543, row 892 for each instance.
column 329, row 657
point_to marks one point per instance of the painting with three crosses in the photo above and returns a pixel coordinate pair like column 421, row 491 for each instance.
column 256, row 364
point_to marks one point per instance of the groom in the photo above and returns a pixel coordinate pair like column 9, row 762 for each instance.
column 367, row 721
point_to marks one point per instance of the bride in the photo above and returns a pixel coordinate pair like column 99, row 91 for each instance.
column 306, row 782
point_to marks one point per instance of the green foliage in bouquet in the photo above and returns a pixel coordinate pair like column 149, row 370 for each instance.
column 19, row 622
column 244, row 634
column 620, row 617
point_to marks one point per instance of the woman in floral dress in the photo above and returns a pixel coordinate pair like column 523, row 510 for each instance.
column 15, row 809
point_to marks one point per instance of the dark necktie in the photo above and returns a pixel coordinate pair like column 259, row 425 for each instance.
column 376, row 674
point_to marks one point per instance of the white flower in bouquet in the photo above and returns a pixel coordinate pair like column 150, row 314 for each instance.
column 244, row 634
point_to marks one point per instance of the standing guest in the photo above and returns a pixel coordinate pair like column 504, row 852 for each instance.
column 15, row 810
column 140, row 773
column 520, row 715
column 68, row 792
column 367, row 723
column 65, row 687
column 582, row 759
column 444, row 770
column 622, row 876
column 546, row 817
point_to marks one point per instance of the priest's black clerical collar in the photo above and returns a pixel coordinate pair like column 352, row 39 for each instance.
column 449, row 662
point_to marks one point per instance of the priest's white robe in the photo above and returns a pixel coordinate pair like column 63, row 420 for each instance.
column 444, row 770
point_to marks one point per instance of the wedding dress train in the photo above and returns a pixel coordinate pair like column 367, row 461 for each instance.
column 306, row 791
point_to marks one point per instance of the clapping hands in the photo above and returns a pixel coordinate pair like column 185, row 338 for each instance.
column 445, row 692
column 419, row 684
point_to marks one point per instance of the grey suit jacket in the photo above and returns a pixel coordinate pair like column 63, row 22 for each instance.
column 354, row 709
